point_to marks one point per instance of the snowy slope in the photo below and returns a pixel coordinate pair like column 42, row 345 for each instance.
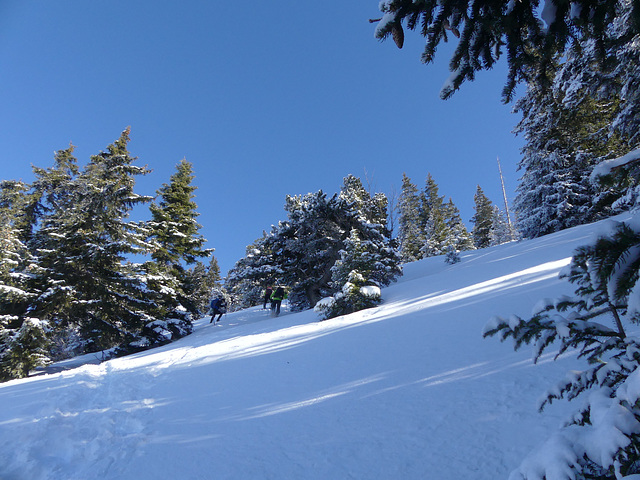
column 408, row 390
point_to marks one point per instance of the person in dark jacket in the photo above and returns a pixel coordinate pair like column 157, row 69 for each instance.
column 267, row 296
column 218, row 307
column 276, row 300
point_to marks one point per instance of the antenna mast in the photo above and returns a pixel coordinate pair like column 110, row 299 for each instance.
column 504, row 194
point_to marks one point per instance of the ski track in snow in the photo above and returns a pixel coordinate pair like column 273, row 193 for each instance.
column 92, row 417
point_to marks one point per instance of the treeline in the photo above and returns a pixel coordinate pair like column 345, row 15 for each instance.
column 328, row 245
column 334, row 253
column 67, row 282
column 429, row 226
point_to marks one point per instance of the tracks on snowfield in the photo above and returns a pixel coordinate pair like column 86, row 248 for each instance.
column 111, row 428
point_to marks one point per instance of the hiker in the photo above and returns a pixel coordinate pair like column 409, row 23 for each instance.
column 218, row 307
column 267, row 296
column 276, row 300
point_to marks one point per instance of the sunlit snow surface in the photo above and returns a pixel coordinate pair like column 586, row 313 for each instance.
column 406, row 390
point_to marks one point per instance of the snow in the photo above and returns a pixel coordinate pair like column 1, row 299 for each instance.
column 370, row 291
column 408, row 389
column 606, row 167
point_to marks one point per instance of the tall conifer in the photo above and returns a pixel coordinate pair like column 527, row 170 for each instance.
column 410, row 221
column 482, row 220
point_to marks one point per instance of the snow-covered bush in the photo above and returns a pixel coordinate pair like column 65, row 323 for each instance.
column 355, row 295
column 602, row 440
column 23, row 349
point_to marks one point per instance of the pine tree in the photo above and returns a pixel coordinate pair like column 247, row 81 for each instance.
column 174, row 232
column 23, row 338
column 562, row 147
column 302, row 251
column 367, row 220
column 482, row 220
column 307, row 245
column 251, row 274
column 501, row 231
column 410, row 224
column 435, row 225
column 82, row 246
column 201, row 281
column 354, row 273
column 458, row 238
column 174, row 224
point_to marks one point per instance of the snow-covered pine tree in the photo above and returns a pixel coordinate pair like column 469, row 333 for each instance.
column 249, row 277
column 458, row 238
column 201, row 281
column 354, row 272
column 23, row 339
column 173, row 221
column 562, row 145
column 307, row 245
column 501, row 230
column 607, row 71
column 177, row 243
column 82, row 246
column 482, row 220
column 410, row 223
column 369, row 248
column 368, row 257
column 435, row 225
column 301, row 251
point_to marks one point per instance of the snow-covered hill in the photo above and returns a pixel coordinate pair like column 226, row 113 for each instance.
column 408, row 390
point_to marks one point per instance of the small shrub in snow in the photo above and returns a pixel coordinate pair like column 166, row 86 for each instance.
column 356, row 295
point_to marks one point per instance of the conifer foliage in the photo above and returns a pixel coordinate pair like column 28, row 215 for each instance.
column 176, row 243
column 593, row 322
column 531, row 37
column 83, row 246
column 427, row 225
column 325, row 241
column 482, row 220
column 67, row 282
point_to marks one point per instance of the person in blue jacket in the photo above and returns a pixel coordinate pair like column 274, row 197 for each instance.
column 218, row 307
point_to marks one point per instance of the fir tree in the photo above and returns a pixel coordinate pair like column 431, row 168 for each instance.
column 482, row 220
column 23, row 339
column 307, row 245
column 501, row 230
column 433, row 221
column 458, row 238
column 173, row 224
column 250, row 275
column 201, row 281
column 174, row 232
column 302, row 251
column 410, row 222
column 562, row 147
column 82, row 246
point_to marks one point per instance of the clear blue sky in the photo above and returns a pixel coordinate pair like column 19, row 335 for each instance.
column 265, row 99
